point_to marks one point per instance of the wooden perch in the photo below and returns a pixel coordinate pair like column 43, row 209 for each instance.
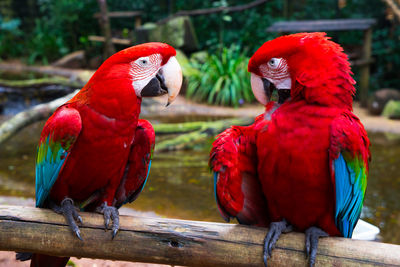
column 177, row 242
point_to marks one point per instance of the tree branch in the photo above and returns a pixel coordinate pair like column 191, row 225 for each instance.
column 395, row 8
column 208, row 11
column 29, row 116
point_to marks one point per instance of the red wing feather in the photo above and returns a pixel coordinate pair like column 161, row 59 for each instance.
column 237, row 188
column 138, row 165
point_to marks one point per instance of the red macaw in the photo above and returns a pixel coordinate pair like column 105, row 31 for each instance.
column 94, row 152
column 307, row 156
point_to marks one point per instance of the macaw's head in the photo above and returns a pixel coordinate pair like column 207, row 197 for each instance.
column 302, row 66
column 149, row 69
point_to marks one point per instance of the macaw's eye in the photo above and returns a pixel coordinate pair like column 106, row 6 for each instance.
column 274, row 62
column 143, row 61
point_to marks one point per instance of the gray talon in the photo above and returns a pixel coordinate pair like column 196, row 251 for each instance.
column 312, row 236
column 114, row 233
column 70, row 213
column 110, row 212
column 77, row 233
column 274, row 232
column 80, row 219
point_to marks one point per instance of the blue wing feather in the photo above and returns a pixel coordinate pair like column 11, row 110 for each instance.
column 51, row 157
column 350, row 182
column 58, row 137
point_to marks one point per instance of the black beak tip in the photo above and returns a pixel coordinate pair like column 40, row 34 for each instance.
column 155, row 87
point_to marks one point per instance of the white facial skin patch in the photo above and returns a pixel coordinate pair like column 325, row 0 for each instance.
column 143, row 70
column 277, row 72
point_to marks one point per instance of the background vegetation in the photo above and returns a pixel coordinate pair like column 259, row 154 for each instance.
column 222, row 79
column 44, row 30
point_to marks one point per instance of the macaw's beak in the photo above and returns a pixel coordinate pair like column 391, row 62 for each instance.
column 168, row 80
column 263, row 89
column 260, row 88
column 269, row 88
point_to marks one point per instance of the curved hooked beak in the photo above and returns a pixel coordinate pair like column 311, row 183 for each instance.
column 263, row 88
column 168, row 80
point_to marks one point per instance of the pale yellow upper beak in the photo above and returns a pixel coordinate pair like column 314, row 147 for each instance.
column 258, row 89
column 172, row 73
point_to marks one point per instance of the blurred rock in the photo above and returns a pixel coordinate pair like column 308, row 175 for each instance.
column 142, row 33
column 380, row 98
column 392, row 110
column 75, row 60
column 178, row 32
column 200, row 56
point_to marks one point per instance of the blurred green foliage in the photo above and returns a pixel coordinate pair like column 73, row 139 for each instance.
column 48, row 29
column 10, row 32
column 222, row 79
column 58, row 29
column 44, row 30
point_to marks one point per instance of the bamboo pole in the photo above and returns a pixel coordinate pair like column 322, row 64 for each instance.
column 177, row 242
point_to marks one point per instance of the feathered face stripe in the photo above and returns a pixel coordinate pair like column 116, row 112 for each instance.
column 276, row 69
column 145, row 67
column 143, row 70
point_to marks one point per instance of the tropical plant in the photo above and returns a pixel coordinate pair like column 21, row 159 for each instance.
column 222, row 80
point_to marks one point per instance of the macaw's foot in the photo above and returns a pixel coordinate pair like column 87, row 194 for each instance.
column 110, row 212
column 275, row 230
column 312, row 236
column 70, row 213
